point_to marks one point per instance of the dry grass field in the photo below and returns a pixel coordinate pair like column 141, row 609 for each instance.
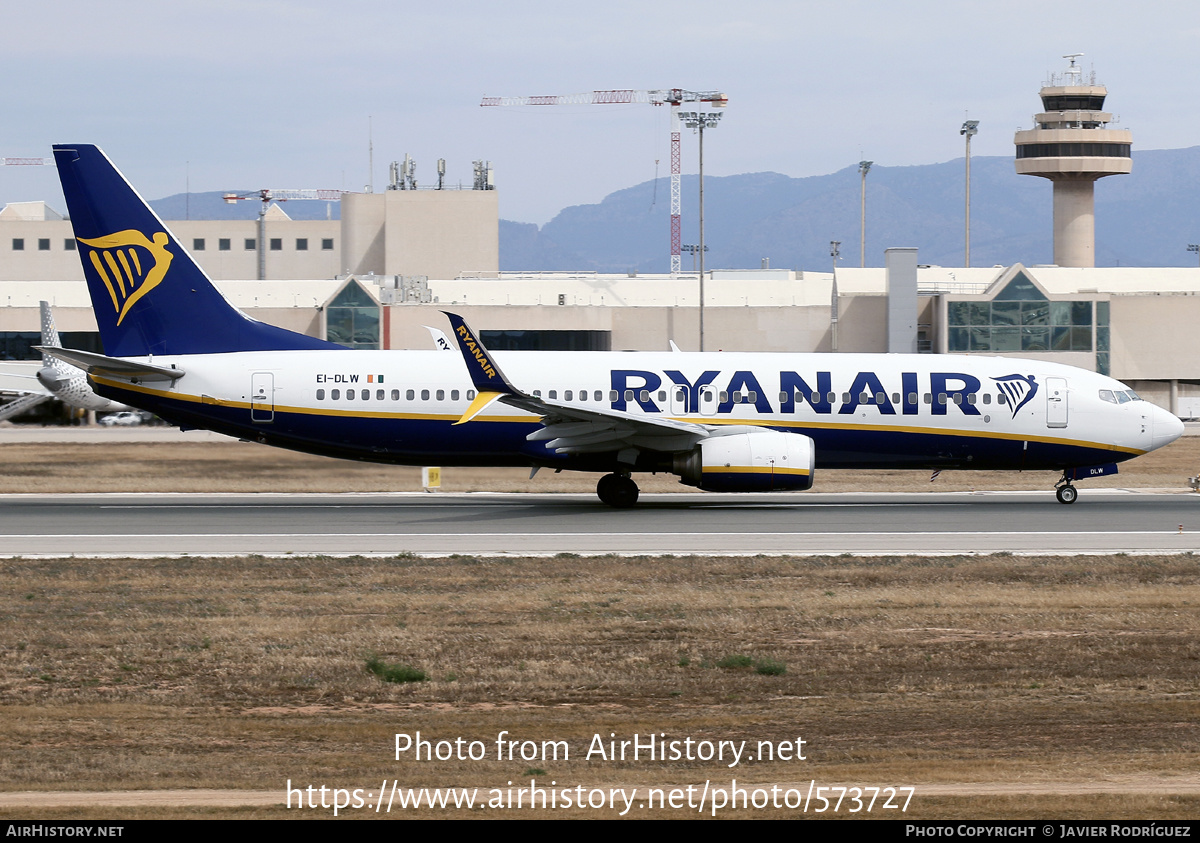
column 1048, row 674
column 244, row 673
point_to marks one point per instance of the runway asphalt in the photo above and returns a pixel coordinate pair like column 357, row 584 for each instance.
column 520, row 524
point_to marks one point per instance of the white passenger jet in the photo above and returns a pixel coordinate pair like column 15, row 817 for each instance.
column 740, row 422
column 57, row 378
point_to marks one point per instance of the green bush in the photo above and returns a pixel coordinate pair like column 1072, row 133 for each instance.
column 395, row 672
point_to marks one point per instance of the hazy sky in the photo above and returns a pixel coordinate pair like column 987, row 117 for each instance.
column 268, row 93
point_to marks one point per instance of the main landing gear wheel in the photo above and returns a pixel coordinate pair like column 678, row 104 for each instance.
column 617, row 490
column 1066, row 493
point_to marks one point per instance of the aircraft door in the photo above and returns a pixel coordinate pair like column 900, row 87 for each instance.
column 708, row 400
column 679, row 405
column 1056, row 402
column 262, row 397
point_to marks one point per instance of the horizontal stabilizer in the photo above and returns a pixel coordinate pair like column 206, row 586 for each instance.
column 98, row 364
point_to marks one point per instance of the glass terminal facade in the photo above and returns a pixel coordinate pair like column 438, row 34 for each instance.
column 1021, row 318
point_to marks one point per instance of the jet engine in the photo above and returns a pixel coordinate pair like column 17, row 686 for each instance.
column 755, row 461
column 52, row 378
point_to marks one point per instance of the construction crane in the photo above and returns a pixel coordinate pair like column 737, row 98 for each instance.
column 266, row 196
column 26, row 162
column 664, row 96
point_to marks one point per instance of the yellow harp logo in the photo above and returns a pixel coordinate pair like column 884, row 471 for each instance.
column 130, row 265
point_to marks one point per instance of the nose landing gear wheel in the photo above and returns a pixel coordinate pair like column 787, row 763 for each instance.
column 1066, row 493
column 617, row 490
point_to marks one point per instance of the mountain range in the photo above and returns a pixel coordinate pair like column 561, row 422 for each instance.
column 1147, row 218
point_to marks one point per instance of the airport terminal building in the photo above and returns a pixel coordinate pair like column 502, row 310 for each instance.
column 1125, row 322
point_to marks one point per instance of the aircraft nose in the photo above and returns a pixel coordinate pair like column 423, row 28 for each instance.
column 1166, row 428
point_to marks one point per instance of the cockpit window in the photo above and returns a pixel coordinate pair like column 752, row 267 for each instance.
column 1123, row 397
column 1107, row 395
column 1133, row 396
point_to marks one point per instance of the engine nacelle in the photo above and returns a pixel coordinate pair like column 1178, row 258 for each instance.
column 758, row 461
column 52, row 378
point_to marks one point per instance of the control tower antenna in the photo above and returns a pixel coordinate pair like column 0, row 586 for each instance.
column 1071, row 145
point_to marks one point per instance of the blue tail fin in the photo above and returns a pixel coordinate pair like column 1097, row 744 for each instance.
column 149, row 296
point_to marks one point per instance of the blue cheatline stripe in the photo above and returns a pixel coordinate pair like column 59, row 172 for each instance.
column 420, row 438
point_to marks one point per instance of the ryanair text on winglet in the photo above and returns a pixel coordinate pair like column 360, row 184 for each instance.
column 470, row 343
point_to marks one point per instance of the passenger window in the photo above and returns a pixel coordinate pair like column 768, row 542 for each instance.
column 987, row 398
column 424, row 394
column 454, row 395
column 335, row 394
column 379, row 395
column 349, row 394
column 880, row 398
column 680, row 395
column 410, row 395
column 971, row 399
column 554, row 394
column 912, row 398
column 928, row 398
column 470, row 395
column 896, row 397
column 599, row 396
column 644, row 395
column 783, row 396
column 752, row 397
column 845, row 397
column 662, row 395
column 537, row 393
column 395, row 395
column 829, row 398
column 441, row 395
column 629, row 395
column 320, row 395
column 724, row 396
column 366, row 396
column 737, row 398
column 706, row 396
column 1001, row 398
column 567, row 395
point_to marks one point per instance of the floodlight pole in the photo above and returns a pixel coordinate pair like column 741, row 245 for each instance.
column 1194, row 247
column 864, row 167
column 970, row 128
column 833, row 297
column 701, row 120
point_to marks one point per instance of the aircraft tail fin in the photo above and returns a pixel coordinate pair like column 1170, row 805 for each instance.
column 149, row 295
column 49, row 334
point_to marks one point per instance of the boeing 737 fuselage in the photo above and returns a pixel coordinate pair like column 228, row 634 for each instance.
column 720, row 421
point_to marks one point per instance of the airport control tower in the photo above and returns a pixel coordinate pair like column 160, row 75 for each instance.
column 1072, row 147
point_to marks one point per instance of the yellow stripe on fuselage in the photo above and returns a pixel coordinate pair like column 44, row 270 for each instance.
column 751, row 469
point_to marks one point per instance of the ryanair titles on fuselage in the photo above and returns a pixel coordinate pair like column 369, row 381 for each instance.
column 817, row 391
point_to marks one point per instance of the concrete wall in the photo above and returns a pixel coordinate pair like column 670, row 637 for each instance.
column 436, row 233
column 1152, row 337
column 288, row 263
column 647, row 328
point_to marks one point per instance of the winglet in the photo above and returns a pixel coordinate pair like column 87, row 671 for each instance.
column 482, row 401
column 485, row 374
